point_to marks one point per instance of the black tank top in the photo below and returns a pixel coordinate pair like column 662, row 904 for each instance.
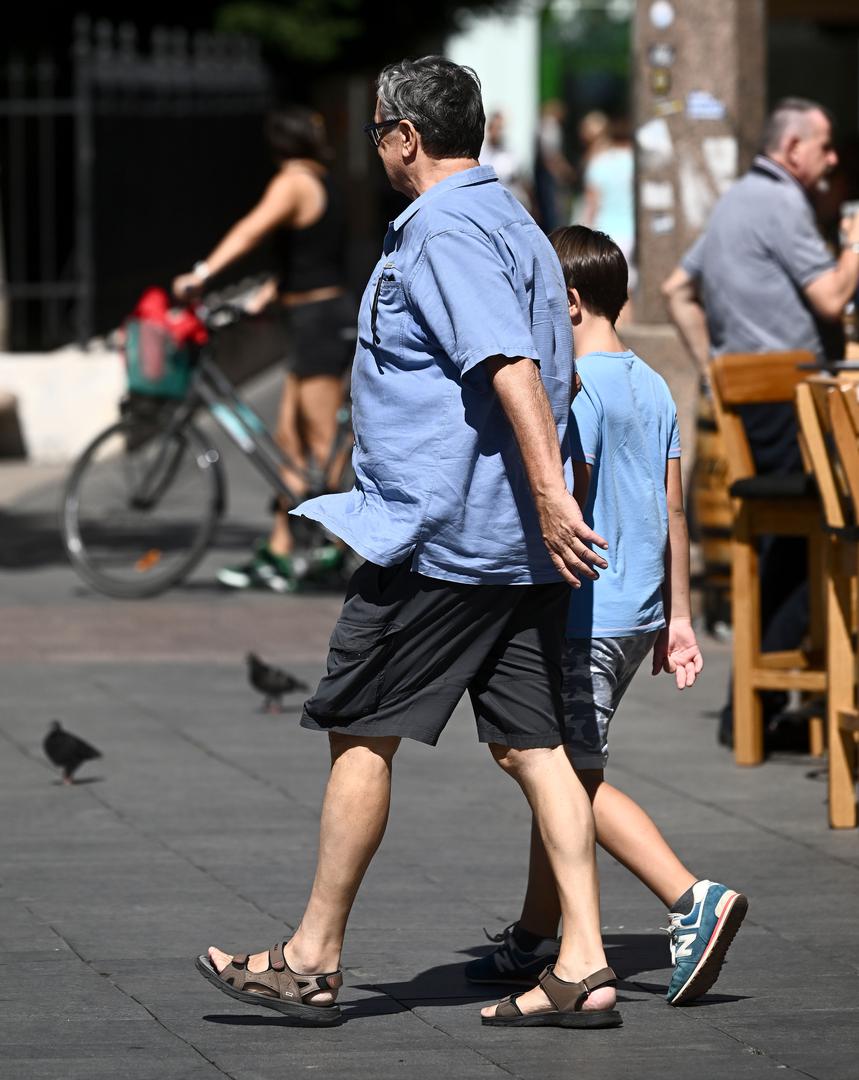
column 312, row 258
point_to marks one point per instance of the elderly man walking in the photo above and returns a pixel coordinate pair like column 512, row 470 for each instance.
column 461, row 389
column 761, row 279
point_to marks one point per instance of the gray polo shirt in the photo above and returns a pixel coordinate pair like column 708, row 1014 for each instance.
column 760, row 250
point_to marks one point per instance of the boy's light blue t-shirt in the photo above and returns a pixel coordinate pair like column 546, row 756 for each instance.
column 624, row 424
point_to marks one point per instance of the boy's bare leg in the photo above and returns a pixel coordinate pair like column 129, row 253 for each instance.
column 628, row 834
column 354, row 816
column 563, row 814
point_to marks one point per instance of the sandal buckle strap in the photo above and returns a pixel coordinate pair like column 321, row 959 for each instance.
column 569, row 996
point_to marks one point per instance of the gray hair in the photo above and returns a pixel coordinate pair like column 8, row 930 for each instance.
column 789, row 117
column 442, row 99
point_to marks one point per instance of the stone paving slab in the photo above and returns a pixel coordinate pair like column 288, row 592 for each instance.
column 108, row 889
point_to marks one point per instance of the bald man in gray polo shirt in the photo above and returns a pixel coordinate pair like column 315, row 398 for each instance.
column 761, row 279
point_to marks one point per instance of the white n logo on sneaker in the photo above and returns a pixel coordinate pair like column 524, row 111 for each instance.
column 683, row 945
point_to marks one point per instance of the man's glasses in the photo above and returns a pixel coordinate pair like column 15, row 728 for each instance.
column 374, row 131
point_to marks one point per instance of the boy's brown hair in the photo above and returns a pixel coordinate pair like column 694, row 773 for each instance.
column 595, row 267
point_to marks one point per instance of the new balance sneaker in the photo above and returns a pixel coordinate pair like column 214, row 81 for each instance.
column 264, row 571
column 700, row 939
column 511, row 964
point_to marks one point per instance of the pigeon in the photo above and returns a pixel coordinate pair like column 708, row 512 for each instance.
column 67, row 750
column 272, row 682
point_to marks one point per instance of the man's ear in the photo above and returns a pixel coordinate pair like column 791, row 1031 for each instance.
column 790, row 147
column 410, row 139
column 575, row 302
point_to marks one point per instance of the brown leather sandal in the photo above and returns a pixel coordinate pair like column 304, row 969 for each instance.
column 278, row 987
column 567, row 997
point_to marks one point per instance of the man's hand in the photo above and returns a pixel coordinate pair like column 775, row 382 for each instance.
column 566, row 536
column 676, row 651
column 187, row 288
column 850, row 229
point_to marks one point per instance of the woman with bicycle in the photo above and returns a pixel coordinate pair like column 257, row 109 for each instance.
column 300, row 211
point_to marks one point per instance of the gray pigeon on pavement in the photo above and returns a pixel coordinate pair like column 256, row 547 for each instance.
column 67, row 751
column 272, row 682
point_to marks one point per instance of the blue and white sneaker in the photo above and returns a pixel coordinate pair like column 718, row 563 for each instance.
column 510, row 964
column 700, row 939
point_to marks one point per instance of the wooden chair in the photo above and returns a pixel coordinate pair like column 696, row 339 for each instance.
column 842, row 715
column 816, row 402
column 780, row 505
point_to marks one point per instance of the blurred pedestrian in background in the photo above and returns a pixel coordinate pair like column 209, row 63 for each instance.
column 762, row 279
column 553, row 174
column 608, row 204
column 496, row 153
column 302, row 214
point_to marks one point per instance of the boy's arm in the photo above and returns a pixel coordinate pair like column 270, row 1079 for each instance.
column 676, row 649
column 581, row 481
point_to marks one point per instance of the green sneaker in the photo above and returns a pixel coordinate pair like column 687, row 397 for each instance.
column 264, row 571
column 318, row 564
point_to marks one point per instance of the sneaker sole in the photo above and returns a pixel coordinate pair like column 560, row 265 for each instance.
column 278, row 584
column 707, row 970
column 233, row 579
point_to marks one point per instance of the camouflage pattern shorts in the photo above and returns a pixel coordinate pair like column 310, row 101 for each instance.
column 597, row 672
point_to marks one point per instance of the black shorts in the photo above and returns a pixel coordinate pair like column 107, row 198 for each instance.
column 319, row 337
column 406, row 648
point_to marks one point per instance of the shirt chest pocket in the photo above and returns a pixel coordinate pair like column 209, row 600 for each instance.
column 387, row 308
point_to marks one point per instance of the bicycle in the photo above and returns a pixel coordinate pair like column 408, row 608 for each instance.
column 143, row 500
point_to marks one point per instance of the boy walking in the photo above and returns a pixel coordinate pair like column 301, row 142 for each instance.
column 626, row 462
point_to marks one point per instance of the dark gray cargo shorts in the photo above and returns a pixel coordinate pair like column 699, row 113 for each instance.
column 406, row 648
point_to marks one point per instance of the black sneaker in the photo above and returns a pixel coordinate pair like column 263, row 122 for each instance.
column 510, row 964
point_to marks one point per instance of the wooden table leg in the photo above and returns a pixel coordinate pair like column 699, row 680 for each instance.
column 840, row 665
column 817, row 575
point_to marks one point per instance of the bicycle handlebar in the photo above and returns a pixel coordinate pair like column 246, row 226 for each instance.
column 221, row 315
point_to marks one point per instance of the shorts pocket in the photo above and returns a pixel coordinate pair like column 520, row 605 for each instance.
column 357, row 660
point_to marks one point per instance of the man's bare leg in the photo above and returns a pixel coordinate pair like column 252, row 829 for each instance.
column 628, row 834
column 354, row 816
column 563, row 814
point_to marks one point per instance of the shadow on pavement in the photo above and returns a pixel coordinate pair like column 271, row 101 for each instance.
column 446, row 984
column 29, row 540
column 379, row 1005
column 699, row 1003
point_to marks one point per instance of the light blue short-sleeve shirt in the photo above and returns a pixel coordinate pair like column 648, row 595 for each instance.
column 625, row 426
column 465, row 275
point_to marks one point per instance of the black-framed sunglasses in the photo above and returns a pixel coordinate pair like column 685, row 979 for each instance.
column 374, row 131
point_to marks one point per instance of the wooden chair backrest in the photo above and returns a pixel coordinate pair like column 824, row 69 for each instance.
column 750, row 379
column 844, row 417
column 813, row 410
column 759, row 378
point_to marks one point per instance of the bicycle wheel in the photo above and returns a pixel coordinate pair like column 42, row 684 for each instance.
column 140, row 507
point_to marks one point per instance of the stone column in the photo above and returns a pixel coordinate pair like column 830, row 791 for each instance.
column 699, row 104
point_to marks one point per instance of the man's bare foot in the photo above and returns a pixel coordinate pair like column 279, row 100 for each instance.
column 535, row 1001
column 259, row 962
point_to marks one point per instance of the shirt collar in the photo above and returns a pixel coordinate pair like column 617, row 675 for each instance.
column 479, row 174
column 765, row 164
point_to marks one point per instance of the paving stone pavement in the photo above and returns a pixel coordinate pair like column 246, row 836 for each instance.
column 198, row 826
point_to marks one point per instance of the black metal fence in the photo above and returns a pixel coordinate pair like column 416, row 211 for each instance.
column 121, row 164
